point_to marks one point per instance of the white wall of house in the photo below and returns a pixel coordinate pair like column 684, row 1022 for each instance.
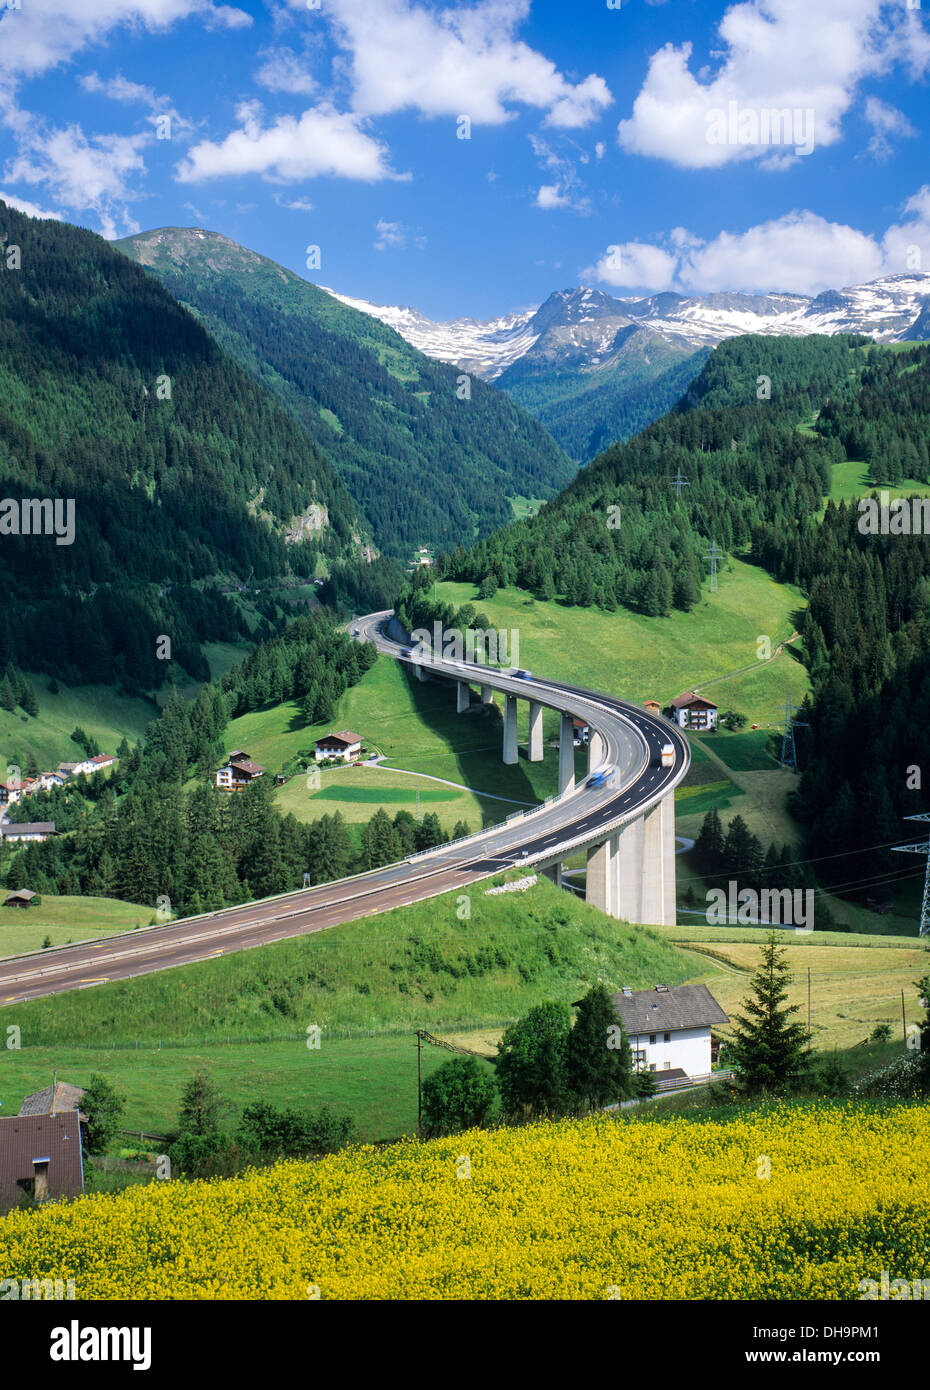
column 346, row 754
column 687, row 1048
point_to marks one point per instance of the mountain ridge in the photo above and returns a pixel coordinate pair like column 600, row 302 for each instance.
column 425, row 460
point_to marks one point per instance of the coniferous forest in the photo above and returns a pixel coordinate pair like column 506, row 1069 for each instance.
column 182, row 470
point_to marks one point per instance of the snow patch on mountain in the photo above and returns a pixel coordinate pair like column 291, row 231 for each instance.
column 583, row 323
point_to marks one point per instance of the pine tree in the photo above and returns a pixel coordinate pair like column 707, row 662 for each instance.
column 768, row 1049
column 598, row 1064
column 708, row 847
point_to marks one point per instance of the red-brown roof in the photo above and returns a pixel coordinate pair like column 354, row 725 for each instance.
column 247, row 766
column 689, row 698
column 345, row 736
column 26, row 1139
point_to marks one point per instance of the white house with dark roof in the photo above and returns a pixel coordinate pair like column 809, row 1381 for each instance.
column 344, row 744
column 669, row 1029
column 692, row 711
column 35, row 831
column 239, row 772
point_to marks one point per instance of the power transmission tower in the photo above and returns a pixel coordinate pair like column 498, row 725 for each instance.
column 789, row 753
column 922, row 848
column 678, row 482
column 714, row 556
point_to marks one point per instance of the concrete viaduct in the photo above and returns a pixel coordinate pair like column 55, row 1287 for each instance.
column 626, row 827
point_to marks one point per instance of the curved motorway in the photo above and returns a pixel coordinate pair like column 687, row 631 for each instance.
column 582, row 817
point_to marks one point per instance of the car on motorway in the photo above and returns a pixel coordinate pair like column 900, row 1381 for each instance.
column 406, row 651
column 521, row 675
column 667, row 755
column 599, row 778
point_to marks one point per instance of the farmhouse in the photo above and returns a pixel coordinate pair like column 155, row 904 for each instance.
column 344, row 744
column 239, row 772
column 86, row 767
column 10, row 792
column 101, row 760
column 40, row 1156
column 22, row 897
column 669, row 1029
column 652, row 706
column 580, row 732
column 691, row 711
column 33, row 831
column 48, row 780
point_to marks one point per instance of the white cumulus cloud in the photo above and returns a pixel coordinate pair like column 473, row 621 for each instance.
column 799, row 252
column 458, row 60
column 777, row 56
column 321, row 141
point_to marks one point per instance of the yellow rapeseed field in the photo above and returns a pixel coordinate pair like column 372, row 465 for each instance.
column 778, row 1203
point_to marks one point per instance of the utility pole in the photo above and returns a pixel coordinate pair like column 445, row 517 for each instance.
column 808, row 1008
column 714, row 556
column 419, row 1079
column 903, row 1016
column 678, row 482
column 789, row 753
column 922, row 848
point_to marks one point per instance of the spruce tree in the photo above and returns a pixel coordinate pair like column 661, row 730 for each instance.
column 598, row 1064
column 768, row 1049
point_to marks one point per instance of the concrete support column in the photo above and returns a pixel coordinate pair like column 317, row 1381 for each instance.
column 630, row 872
column 421, row 674
column 658, row 891
column 554, row 871
column 566, row 754
column 463, row 697
column 487, row 695
column 510, row 729
column 595, row 750
column 601, row 878
column 536, row 732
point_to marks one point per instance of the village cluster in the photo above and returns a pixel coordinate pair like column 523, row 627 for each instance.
column 16, row 789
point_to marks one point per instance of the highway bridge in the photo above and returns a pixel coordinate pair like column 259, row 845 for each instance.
column 626, row 826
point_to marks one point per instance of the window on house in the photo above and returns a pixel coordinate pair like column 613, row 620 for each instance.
column 652, row 1066
column 652, row 1037
column 666, row 1037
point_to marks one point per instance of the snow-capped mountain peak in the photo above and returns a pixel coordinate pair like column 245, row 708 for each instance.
column 584, row 325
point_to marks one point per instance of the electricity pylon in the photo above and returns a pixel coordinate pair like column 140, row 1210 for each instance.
column 923, row 848
column 714, row 556
column 789, row 753
column 678, row 482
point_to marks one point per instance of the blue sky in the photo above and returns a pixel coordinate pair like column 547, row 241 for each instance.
column 636, row 148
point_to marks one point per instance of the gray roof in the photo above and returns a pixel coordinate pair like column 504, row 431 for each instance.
column 668, row 1010
column 64, row 1096
column 36, row 827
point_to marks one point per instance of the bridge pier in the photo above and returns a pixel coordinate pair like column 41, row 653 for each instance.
column 631, row 875
column 602, row 881
column 487, row 695
column 510, row 729
column 462, row 697
column 536, row 732
column 595, row 750
column 554, row 871
column 566, row 754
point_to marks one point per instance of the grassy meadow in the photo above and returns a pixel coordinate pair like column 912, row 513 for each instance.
column 64, row 919
column 415, row 727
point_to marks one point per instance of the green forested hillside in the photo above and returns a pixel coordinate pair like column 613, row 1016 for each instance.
column 621, row 534
column 757, row 438
column 180, row 466
column 586, row 409
column 424, row 465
